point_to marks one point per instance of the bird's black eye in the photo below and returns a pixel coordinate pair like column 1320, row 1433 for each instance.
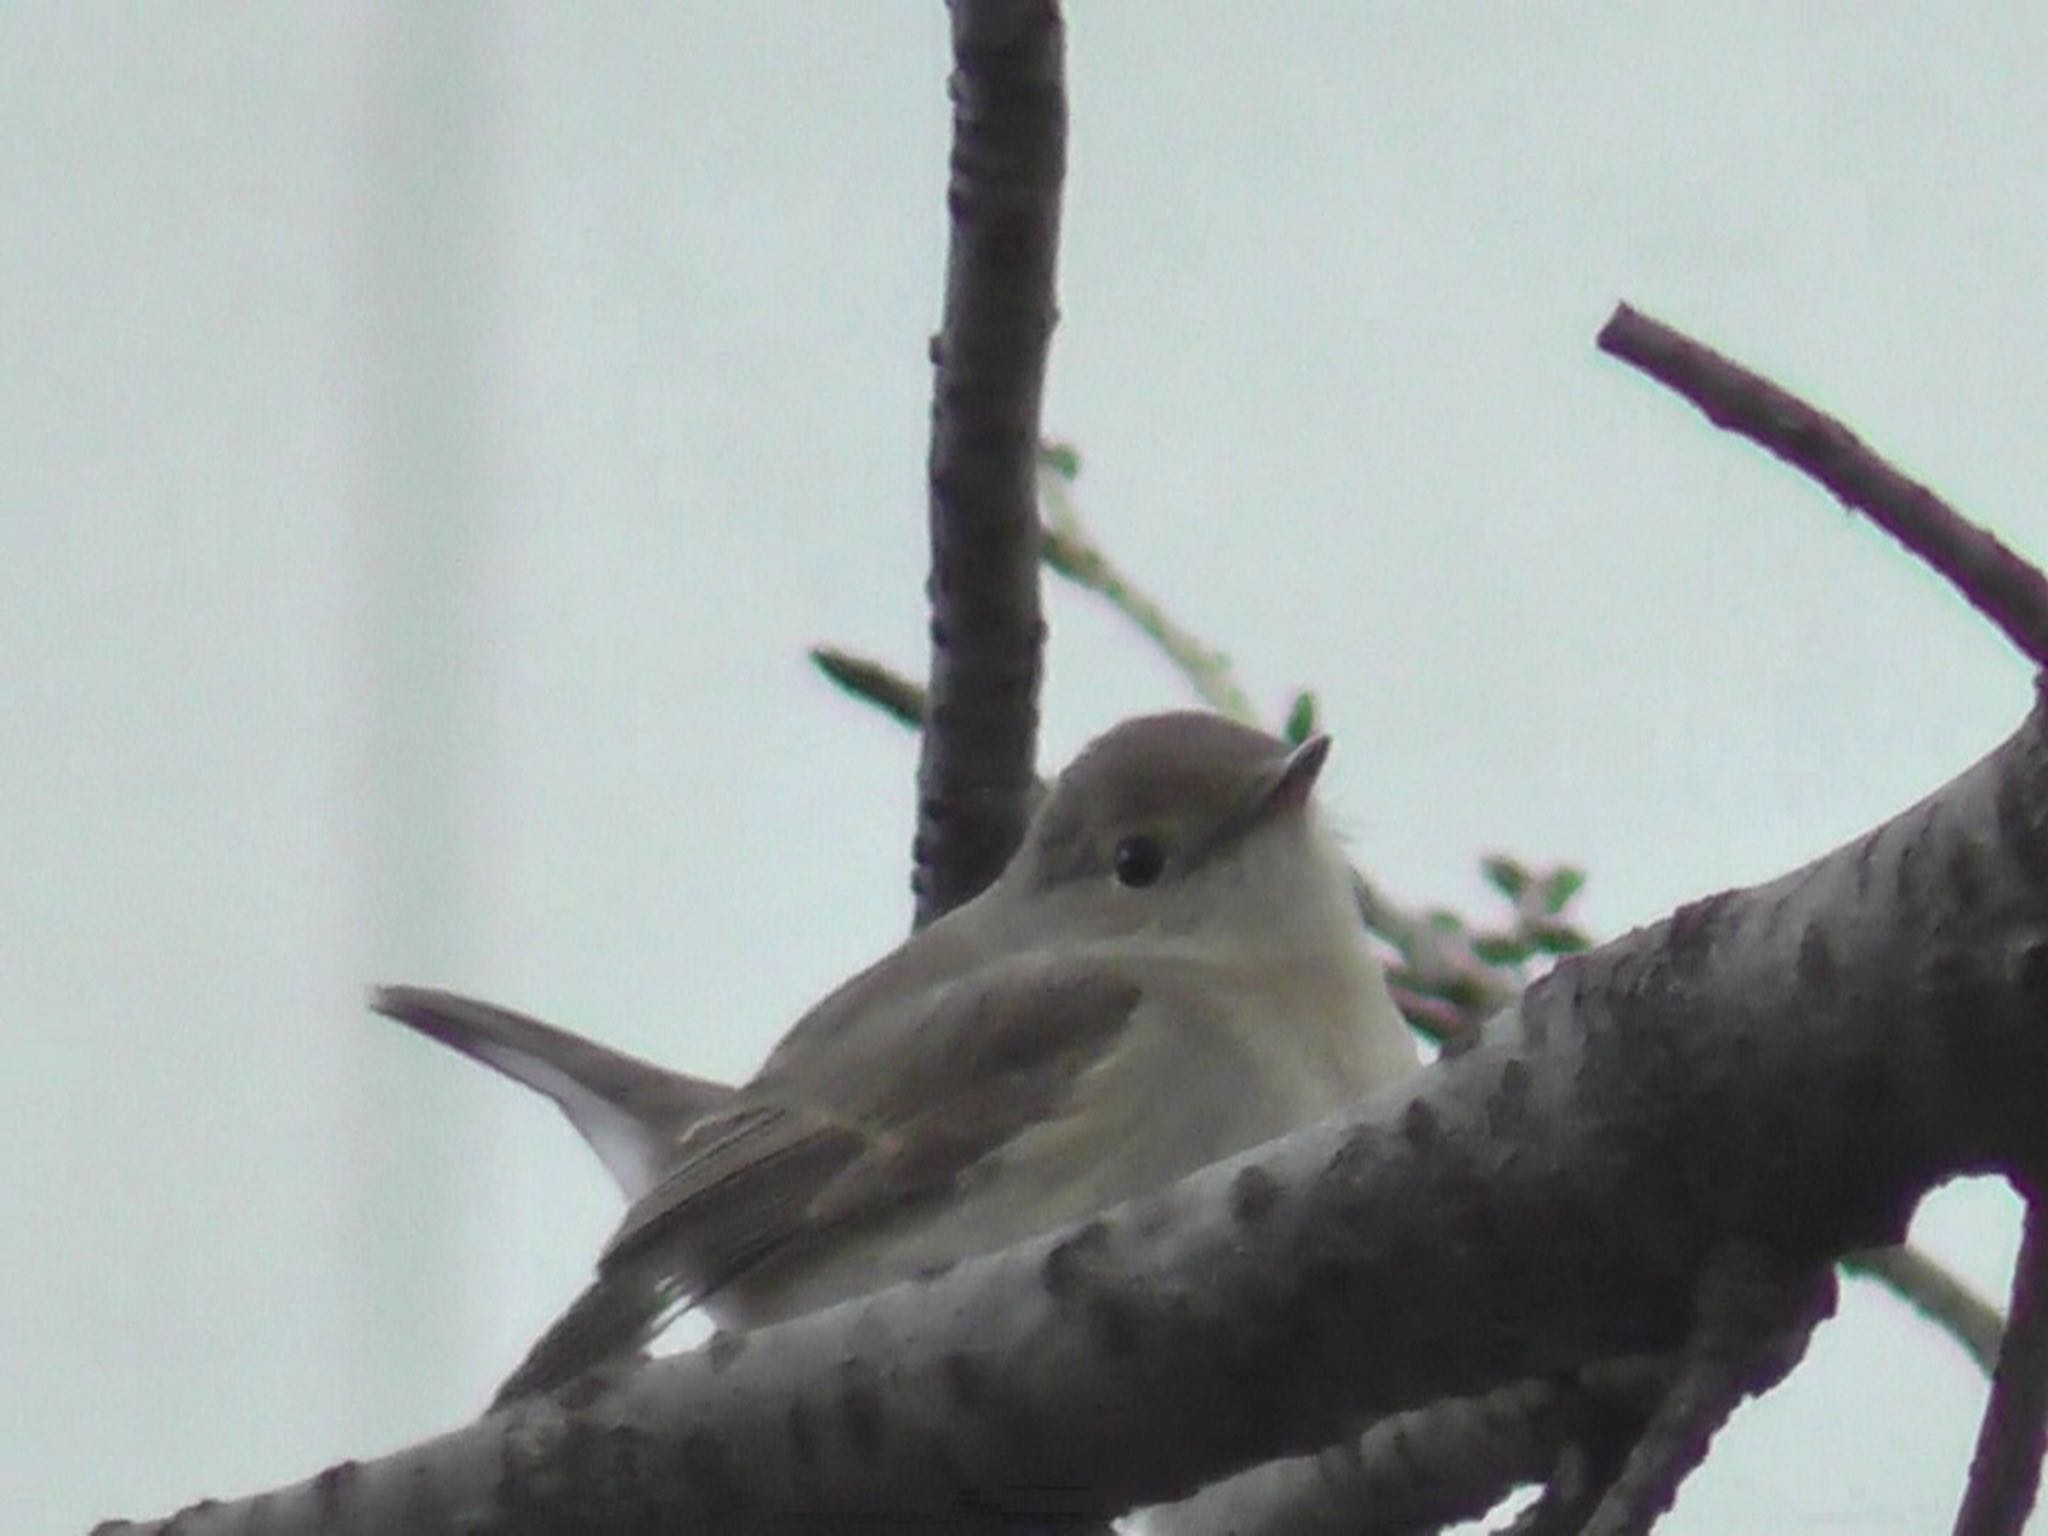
column 1140, row 860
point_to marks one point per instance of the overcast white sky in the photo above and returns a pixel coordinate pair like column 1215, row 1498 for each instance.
column 432, row 436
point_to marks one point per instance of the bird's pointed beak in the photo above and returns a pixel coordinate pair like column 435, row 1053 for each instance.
column 1295, row 778
column 1283, row 788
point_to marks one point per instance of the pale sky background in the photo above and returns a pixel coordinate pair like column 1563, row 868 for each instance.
column 432, row 435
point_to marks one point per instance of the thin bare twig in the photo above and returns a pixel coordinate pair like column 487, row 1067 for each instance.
column 2005, row 1469
column 1073, row 553
column 1451, row 988
column 1925, row 1285
column 874, row 683
column 1008, row 162
column 2005, row 588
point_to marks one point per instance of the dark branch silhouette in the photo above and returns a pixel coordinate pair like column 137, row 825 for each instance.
column 1009, row 159
column 2005, row 1469
column 2001, row 585
column 1939, row 1295
column 873, row 682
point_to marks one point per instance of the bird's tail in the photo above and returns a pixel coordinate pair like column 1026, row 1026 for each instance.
column 630, row 1111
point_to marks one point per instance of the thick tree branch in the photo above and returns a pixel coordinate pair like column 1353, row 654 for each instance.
column 1008, row 160
column 2013, row 594
column 2008, row 590
column 1790, row 1066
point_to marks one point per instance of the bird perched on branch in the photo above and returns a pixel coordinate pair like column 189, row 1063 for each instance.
column 1172, row 969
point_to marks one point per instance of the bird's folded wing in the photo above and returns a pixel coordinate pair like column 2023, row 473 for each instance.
column 986, row 1058
column 799, row 1157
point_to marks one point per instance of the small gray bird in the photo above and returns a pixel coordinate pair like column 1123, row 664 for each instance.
column 1171, row 970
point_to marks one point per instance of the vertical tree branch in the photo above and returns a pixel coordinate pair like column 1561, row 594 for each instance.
column 1009, row 158
column 2005, row 1471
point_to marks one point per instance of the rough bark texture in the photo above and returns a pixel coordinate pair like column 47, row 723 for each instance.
column 1789, row 1067
column 1009, row 158
column 1416, row 1471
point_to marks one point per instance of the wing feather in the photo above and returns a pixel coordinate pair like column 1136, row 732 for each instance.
column 788, row 1166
